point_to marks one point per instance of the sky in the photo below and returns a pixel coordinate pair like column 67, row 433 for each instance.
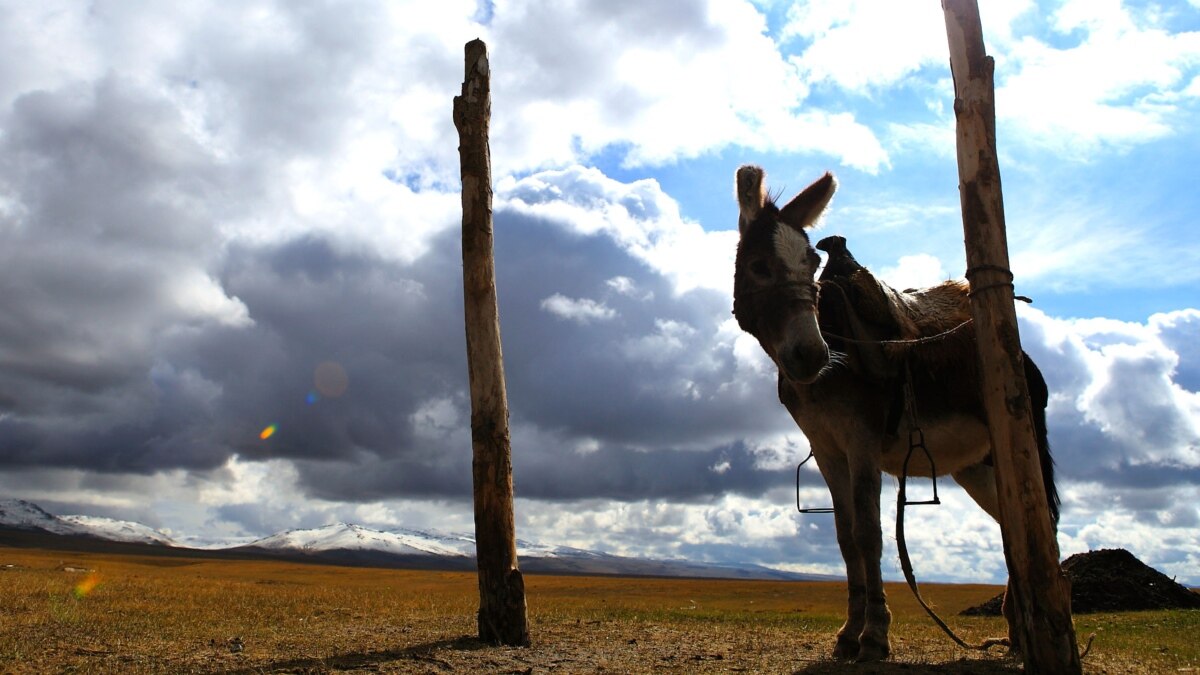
column 230, row 268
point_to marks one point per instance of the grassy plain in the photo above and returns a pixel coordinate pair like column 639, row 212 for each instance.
column 132, row 614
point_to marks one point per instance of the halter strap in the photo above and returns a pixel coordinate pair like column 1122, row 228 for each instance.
column 813, row 288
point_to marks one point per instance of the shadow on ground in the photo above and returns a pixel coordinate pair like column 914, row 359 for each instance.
column 468, row 654
column 419, row 655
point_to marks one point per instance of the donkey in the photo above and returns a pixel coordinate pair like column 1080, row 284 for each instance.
column 857, row 390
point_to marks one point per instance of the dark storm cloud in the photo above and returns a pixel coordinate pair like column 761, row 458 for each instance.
column 626, row 408
column 103, row 249
column 394, row 331
column 589, row 420
column 629, row 475
column 545, row 471
column 622, row 380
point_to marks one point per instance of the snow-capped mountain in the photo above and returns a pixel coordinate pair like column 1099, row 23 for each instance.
column 118, row 530
column 355, row 544
column 348, row 537
column 22, row 515
column 400, row 541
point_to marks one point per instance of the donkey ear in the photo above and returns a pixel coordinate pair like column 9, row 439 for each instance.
column 805, row 208
column 751, row 194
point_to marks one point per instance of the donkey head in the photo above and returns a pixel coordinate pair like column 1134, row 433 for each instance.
column 774, row 290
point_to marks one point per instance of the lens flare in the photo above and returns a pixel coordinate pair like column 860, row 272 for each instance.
column 312, row 397
column 268, row 432
column 330, row 379
column 83, row 588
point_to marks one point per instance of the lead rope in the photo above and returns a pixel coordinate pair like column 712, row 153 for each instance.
column 906, row 567
column 916, row 440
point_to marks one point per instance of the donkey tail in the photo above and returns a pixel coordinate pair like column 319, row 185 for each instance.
column 1039, row 397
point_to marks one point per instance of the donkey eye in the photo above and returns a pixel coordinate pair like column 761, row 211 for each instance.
column 760, row 269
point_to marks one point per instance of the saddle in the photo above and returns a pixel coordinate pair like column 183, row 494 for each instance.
column 874, row 325
column 869, row 310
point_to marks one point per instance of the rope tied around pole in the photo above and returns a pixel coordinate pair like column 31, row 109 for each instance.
column 971, row 271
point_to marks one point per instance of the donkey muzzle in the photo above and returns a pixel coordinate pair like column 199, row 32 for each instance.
column 802, row 354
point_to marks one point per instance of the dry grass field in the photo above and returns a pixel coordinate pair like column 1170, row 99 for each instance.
column 103, row 613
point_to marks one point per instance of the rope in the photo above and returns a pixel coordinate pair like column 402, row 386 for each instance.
column 902, row 500
column 914, row 341
column 906, row 566
column 1008, row 283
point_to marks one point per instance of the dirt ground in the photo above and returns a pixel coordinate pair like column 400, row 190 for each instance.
column 100, row 613
column 611, row 647
column 619, row 647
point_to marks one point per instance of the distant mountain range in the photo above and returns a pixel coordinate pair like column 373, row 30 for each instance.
column 349, row 544
column 22, row 515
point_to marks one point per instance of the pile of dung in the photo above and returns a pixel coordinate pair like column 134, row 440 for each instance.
column 1111, row 580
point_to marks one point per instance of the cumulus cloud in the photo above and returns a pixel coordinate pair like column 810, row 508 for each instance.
column 1076, row 79
column 1122, row 83
column 912, row 36
column 665, row 81
column 638, row 216
column 1118, row 412
column 582, row 310
column 914, row 271
column 1158, row 525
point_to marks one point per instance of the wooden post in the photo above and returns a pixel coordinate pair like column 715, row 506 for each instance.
column 1038, row 587
column 502, row 615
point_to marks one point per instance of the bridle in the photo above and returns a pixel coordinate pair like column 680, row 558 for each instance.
column 795, row 288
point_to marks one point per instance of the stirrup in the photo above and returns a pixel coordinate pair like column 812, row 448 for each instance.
column 916, row 440
column 801, row 509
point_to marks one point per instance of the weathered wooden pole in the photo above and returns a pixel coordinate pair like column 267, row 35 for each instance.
column 1039, row 589
column 502, row 615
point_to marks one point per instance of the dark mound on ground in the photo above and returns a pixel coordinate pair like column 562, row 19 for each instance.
column 1111, row 580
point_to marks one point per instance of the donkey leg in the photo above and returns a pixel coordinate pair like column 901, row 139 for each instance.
column 873, row 641
column 837, row 477
column 848, row 636
column 979, row 481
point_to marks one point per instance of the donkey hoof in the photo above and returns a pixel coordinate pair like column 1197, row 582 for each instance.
column 873, row 649
column 846, row 648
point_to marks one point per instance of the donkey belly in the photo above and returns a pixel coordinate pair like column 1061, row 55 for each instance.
column 954, row 443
